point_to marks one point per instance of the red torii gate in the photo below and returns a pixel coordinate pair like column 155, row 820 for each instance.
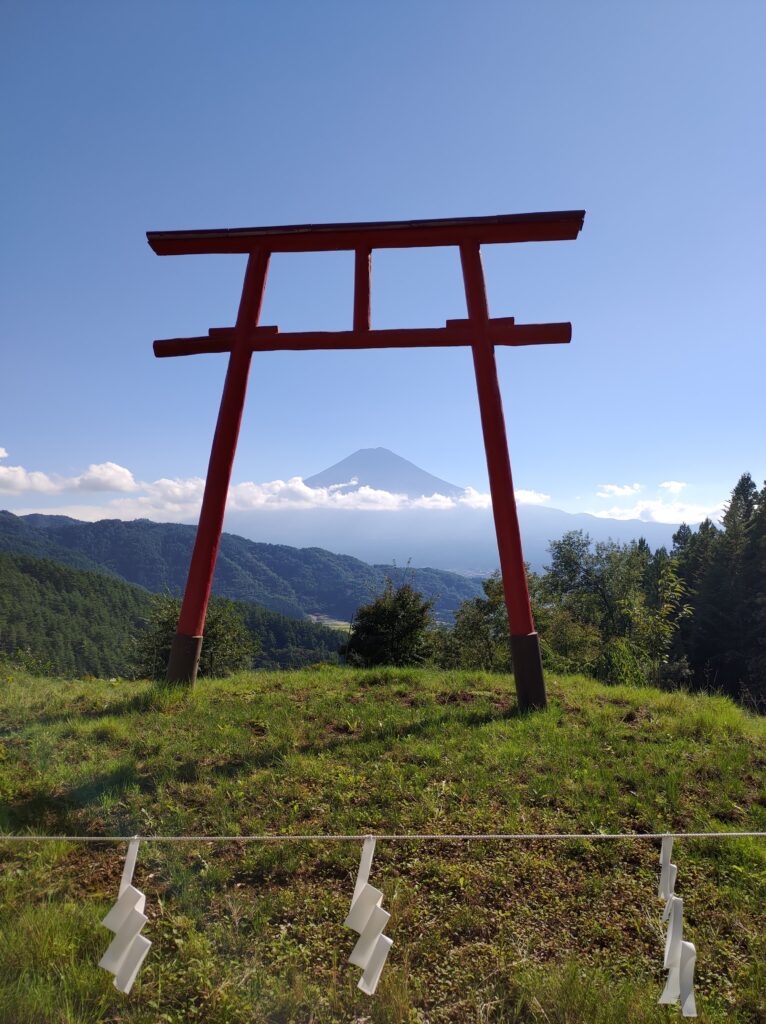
column 480, row 331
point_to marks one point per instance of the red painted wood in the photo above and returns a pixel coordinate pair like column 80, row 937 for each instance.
column 517, row 227
column 362, row 280
column 496, row 446
column 481, row 332
column 457, row 332
column 197, row 594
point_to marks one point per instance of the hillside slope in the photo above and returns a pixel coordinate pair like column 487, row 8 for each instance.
column 294, row 581
column 76, row 622
column 551, row 933
column 23, row 535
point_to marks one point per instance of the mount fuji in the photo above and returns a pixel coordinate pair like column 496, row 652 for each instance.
column 383, row 470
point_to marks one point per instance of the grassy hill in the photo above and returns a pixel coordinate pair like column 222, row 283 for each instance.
column 551, row 933
column 289, row 580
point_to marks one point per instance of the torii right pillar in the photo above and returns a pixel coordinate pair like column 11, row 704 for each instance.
column 525, row 643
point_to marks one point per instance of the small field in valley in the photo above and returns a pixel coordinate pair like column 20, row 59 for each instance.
column 545, row 932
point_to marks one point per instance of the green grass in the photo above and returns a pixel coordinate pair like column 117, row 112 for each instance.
column 555, row 933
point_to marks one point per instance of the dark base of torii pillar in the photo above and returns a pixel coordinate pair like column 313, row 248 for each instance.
column 528, row 671
column 183, row 662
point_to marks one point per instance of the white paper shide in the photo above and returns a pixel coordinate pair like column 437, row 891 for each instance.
column 368, row 919
column 680, row 956
column 128, row 949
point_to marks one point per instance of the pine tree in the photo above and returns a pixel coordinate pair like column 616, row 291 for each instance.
column 755, row 584
column 722, row 610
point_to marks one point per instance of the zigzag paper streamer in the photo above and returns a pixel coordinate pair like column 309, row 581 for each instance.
column 368, row 918
column 128, row 949
column 680, row 956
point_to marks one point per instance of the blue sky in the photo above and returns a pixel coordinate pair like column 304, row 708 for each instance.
column 118, row 118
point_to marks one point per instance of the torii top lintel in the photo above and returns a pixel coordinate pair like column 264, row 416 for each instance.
column 467, row 233
column 393, row 234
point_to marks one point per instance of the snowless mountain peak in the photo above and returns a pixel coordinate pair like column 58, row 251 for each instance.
column 383, row 470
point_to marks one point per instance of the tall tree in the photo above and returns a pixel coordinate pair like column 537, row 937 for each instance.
column 755, row 586
column 722, row 628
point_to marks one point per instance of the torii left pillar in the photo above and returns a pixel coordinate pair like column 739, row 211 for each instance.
column 187, row 643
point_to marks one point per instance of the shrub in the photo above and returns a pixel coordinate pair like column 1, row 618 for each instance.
column 391, row 630
column 228, row 645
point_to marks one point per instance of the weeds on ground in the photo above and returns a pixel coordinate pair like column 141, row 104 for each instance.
column 564, row 933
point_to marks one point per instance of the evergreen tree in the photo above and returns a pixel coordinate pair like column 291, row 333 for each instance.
column 58, row 620
column 755, row 587
column 693, row 616
column 723, row 612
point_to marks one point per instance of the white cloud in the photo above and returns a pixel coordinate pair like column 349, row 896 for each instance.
column 103, row 476
column 296, row 494
column 531, row 497
column 435, row 501
column 617, row 490
column 661, row 511
column 179, row 499
column 173, row 500
column 673, row 486
column 17, row 480
column 474, row 499
column 165, row 500
column 667, row 508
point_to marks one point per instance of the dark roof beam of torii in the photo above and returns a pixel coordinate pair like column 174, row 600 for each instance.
column 515, row 227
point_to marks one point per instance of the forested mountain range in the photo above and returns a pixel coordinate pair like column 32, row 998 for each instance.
column 73, row 622
column 294, row 581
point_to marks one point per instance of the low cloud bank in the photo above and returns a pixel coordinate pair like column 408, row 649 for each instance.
column 169, row 500
column 664, row 509
column 660, row 511
column 179, row 500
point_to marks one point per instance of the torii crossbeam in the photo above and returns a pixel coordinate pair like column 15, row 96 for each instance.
column 479, row 331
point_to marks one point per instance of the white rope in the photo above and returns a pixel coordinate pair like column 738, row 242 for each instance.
column 391, row 837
